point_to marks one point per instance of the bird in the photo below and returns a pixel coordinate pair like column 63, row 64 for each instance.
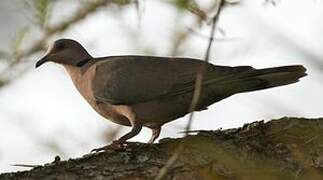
column 150, row 91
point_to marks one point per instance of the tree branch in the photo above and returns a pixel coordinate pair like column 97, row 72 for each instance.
column 287, row 148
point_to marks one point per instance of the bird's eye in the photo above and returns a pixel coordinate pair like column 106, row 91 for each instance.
column 59, row 46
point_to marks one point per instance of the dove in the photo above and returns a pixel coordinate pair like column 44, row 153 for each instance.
column 150, row 91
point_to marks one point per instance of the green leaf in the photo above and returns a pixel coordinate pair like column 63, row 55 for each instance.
column 181, row 4
column 122, row 2
column 42, row 11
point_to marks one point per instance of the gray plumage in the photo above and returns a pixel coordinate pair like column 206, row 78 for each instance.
column 151, row 91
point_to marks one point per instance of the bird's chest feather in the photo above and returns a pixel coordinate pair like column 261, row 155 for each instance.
column 83, row 83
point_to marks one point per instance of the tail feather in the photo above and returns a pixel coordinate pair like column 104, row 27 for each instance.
column 257, row 79
column 246, row 79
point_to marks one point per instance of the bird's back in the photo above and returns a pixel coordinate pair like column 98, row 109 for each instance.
column 134, row 79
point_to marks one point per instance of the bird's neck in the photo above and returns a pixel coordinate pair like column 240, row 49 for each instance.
column 74, row 72
column 82, row 80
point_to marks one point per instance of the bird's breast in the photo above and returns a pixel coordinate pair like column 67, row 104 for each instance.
column 83, row 83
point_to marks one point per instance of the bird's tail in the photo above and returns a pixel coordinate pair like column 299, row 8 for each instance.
column 257, row 79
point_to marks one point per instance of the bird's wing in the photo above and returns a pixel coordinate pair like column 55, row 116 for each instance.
column 134, row 79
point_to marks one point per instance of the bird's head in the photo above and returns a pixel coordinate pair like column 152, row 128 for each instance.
column 65, row 52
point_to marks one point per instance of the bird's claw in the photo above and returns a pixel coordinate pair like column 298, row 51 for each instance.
column 115, row 145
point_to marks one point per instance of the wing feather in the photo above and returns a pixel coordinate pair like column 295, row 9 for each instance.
column 134, row 79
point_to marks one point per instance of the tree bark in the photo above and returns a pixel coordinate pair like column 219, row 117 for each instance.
column 287, row 148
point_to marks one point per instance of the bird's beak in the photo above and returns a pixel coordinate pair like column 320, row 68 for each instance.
column 42, row 61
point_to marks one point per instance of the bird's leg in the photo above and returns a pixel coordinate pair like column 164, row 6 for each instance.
column 119, row 144
column 136, row 128
column 155, row 134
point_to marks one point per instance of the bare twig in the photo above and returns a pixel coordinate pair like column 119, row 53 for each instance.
column 272, row 2
column 196, row 95
column 26, row 165
column 181, row 36
column 201, row 70
column 84, row 11
column 312, row 139
column 163, row 171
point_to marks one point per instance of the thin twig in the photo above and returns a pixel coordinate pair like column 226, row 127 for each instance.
column 312, row 139
column 201, row 70
column 196, row 95
column 163, row 171
column 26, row 165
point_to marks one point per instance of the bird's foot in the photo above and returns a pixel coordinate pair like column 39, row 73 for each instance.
column 115, row 145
